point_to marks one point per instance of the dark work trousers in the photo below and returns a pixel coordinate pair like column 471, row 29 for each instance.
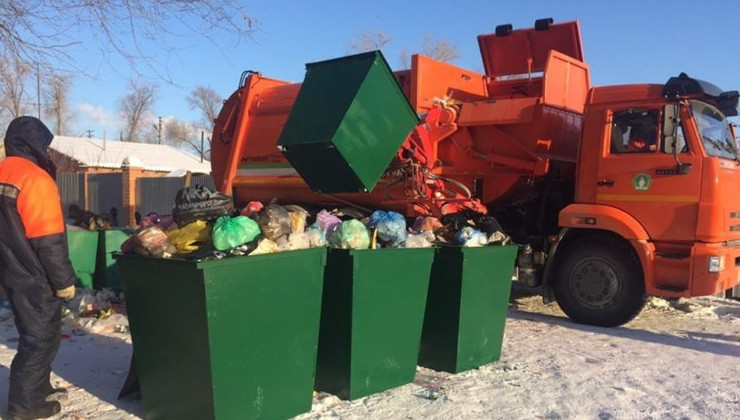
column 38, row 318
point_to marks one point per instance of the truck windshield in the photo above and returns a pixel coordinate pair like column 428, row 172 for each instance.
column 714, row 130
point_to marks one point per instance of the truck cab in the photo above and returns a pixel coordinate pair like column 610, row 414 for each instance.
column 656, row 199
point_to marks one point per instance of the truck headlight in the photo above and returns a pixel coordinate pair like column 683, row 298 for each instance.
column 716, row 263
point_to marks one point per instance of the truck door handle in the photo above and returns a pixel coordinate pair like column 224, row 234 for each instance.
column 605, row 183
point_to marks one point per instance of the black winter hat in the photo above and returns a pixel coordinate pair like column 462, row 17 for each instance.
column 29, row 138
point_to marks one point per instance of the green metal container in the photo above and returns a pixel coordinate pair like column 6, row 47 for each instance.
column 225, row 339
column 371, row 319
column 347, row 122
column 107, row 274
column 466, row 307
column 83, row 248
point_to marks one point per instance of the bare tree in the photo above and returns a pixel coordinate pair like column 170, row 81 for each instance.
column 209, row 103
column 404, row 59
column 134, row 107
column 439, row 49
column 57, row 102
column 13, row 77
column 187, row 135
column 370, row 40
column 47, row 32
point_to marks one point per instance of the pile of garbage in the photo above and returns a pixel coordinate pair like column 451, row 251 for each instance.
column 87, row 220
column 204, row 225
column 95, row 311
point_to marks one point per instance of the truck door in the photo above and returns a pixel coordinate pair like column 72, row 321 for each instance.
column 639, row 172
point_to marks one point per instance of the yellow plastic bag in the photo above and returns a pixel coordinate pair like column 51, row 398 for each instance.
column 190, row 237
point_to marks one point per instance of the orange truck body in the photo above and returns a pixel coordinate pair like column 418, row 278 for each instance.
column 529, row 141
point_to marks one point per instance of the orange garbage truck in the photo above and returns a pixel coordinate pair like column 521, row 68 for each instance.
column 613, row 193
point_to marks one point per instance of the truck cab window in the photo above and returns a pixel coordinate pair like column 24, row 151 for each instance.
column 714, row 130
column 634, row 131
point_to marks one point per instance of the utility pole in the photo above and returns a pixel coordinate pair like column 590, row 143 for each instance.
column 38, row 89
column 202, row 142
column 159, row 132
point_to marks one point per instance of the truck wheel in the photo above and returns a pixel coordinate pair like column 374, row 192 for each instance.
column 599, row 282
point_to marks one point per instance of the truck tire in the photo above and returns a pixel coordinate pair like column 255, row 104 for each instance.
column 599, row 282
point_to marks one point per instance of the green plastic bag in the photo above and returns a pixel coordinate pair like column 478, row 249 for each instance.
column 351, row 234
column 230, row 232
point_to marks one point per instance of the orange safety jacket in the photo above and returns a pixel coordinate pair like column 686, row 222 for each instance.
column 33, row 239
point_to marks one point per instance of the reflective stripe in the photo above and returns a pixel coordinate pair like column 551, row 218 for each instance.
column 9, row 191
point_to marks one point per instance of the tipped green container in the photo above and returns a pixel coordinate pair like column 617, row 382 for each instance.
column 347, row 123
column 225, row 339
column 83, row 251
column 466, row 307
column 371, row 318
column 107, row 274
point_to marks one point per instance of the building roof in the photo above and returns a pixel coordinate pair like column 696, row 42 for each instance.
column 116, row 154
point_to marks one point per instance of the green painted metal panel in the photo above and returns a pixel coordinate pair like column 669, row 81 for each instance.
column 83, row 248
column 466, row 307
column 107, row 274
column 348, row 120
column 372, row 313
column 225, row 339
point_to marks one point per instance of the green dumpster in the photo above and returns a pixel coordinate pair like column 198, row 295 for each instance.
column 371, row 318
column 347, row 123
column 225, row 339
column 83, row 247
column 466, row 307
column 106, row 269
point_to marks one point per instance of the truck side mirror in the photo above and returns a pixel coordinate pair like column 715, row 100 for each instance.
column 683, row 168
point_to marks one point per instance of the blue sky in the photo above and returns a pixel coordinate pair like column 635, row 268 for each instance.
column 624, row 42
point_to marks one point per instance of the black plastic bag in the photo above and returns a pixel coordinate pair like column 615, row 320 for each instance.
column 200, row 203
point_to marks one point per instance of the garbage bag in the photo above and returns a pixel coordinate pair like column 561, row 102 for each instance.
column 423, row 224
column 252, row 208
column 293, row 241
column 164, row 221
column 315, row 237
column 489, row 225
column 200, row 203
column 391, row 227
column 499, row 238
column 351, row 234
column 327, row 223
column 273, row 221
column 152, row 241
column 229, row 232
column 470, row 237
column 424, row 239
column 298, row 216
column 190, row 237
column 265, row 246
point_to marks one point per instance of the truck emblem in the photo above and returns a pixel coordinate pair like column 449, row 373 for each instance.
column 641, row 182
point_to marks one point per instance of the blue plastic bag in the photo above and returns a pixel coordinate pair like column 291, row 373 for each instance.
column 391, row 227
column 470, row 237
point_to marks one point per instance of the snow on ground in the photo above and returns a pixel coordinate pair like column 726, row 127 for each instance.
column 676, row 360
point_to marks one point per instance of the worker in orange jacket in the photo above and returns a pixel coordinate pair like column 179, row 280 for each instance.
column 34, row 265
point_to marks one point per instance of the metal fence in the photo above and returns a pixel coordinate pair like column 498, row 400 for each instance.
column 71, row 190
column 105, row 191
